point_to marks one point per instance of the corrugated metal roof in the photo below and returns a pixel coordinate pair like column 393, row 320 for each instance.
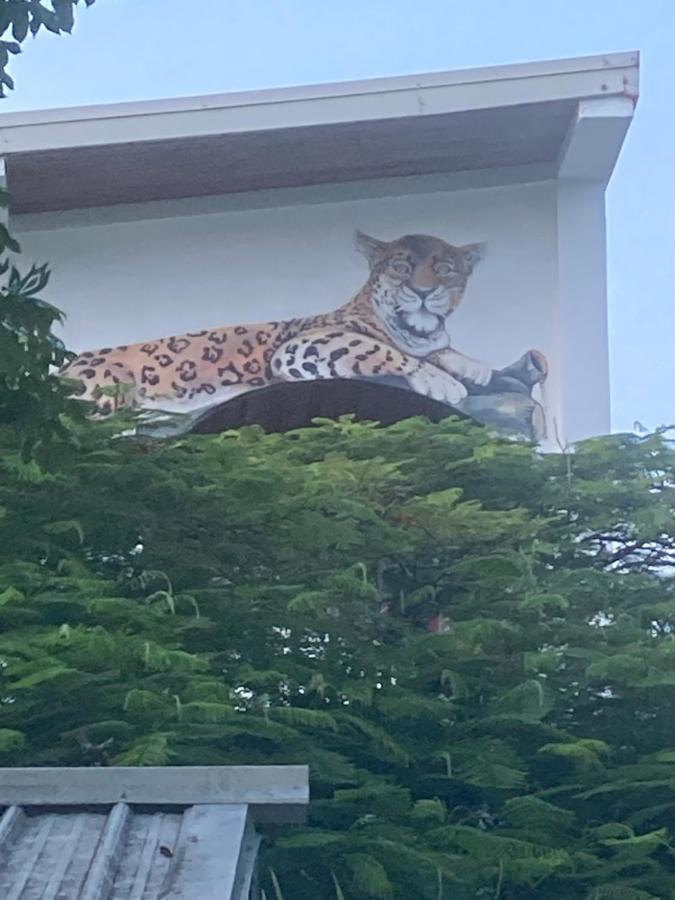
column 125, row 850
column 124, row 854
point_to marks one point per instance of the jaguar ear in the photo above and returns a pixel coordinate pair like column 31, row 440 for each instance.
column 369, row 246
column 472, row 255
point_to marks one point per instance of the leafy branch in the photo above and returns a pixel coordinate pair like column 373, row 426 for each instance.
column 33, row 400
column 19, row 18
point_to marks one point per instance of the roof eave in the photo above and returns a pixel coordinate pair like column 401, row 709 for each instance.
column 611, row 75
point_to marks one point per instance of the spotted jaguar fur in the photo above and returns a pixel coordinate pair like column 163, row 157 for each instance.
column 394, row 330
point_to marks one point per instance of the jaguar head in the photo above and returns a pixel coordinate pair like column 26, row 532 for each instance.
column 416, row 282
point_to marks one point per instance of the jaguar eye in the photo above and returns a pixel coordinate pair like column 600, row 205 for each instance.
column 443, row 268
column 401, row 267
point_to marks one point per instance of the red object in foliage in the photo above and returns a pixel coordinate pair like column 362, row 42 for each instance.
column 437, row 624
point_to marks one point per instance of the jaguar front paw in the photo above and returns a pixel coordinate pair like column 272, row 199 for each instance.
column 438, row 385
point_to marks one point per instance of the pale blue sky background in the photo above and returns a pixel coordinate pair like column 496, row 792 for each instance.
column 142, row 49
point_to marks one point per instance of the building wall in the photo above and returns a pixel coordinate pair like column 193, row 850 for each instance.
column 183, row 270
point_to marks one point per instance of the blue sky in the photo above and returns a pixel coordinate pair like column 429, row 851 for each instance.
column 141, row 49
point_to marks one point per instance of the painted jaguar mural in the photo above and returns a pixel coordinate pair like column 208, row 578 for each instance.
column 395, row 330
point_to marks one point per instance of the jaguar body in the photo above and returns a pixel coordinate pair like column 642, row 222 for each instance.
column 395, row 329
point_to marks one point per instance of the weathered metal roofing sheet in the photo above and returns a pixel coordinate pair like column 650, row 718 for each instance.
column 126, row 850
column 124, row 854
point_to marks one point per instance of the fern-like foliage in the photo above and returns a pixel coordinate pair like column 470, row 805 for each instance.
column 264, row 599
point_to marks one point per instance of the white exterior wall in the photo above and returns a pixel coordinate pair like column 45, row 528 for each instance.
column 184, row 270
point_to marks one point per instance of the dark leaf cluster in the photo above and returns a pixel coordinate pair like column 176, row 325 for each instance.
column 19, row 18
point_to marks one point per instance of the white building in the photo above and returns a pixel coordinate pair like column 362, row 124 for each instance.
column 172, row 216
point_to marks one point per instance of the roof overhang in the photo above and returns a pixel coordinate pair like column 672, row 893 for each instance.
column 569, row 117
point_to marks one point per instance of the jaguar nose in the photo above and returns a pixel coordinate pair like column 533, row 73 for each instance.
column 422, row 293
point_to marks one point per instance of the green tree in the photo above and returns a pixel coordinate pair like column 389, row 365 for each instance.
column 33, row 399
column 265, row 599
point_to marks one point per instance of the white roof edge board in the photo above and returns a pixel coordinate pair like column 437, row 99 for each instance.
column 267, row 786
column 608, row 75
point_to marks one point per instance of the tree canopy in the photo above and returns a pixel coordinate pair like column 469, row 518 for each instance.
column 262, row 599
